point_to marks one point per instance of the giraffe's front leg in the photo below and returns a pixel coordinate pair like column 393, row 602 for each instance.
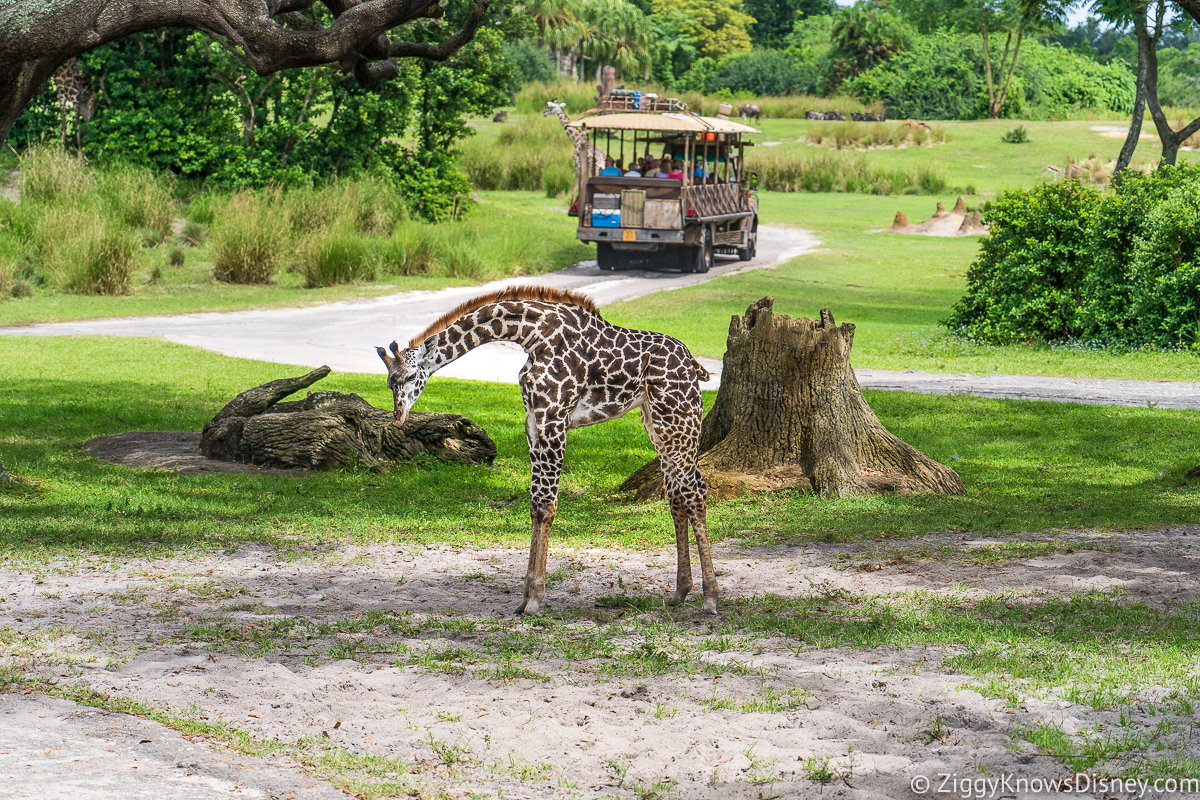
column 683, row 561
column 547, row 444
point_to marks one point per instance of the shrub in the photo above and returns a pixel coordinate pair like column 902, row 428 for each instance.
column 1120, row 217
column 1026, row 282
column 1017, row 135
column 530, row 63
column 759, row 72
column 249, row 240
column 176, row 256
column 1165, row 272
column 49, row 174
column 336, row 255
column 8, row 277
column 558, row 179
column 203, row 208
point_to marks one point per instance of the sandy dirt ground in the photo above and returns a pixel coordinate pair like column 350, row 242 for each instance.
column 413, row 654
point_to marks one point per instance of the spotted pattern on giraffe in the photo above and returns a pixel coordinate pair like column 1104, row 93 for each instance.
column 581, row 370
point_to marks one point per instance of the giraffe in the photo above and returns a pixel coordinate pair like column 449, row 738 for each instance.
column 583, row 148
column 581, row 371
column 71, row 87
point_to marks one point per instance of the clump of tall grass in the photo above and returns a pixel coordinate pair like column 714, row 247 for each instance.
column 249, row 240
column 466, row 250
column 49, row 174
column 138, row 198
column 533, row 154
column 193, row 234
column 829, row 172
column 338, row 254
column 82, row 251
column 369, row 205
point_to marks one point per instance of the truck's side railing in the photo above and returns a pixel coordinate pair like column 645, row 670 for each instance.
column 715, row 200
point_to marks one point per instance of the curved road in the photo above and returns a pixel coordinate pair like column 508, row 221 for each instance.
column 344, row 335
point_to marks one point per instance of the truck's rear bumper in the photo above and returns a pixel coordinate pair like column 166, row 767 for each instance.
column 639, row 235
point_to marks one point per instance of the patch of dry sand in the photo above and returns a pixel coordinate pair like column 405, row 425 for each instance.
column 581, row 732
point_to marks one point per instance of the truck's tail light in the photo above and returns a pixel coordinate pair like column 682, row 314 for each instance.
column 574, row 212
column 691, row 212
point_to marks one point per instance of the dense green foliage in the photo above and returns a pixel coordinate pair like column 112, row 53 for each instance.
column 1065, row 262
column 942, row 76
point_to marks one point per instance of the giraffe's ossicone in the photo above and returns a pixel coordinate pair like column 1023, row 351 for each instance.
column 581, row 371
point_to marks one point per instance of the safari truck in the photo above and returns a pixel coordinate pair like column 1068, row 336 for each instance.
column 709, row 207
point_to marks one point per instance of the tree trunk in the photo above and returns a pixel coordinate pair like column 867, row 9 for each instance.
column 790, row 413
column 1139, row 112
column 331, row 428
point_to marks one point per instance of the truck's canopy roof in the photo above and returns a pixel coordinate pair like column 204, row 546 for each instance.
column 682, row 122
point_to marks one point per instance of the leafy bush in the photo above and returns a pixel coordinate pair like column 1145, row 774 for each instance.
column 530, row 63
column 760, row 72
column 1107, row 312
column 336, row 255
column 1027, row 279
column 1165, row 272
column 249, row 240
column 1017, row 135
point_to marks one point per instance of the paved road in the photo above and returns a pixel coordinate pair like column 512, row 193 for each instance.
column 344, row 335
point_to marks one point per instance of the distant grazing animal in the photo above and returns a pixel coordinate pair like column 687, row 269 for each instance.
column 750, row 110
column 581, row 371
column 917, row 125
column 835, row 115
column 813, row 115
column 500, row 116
column 854, row 115
column 880, row 117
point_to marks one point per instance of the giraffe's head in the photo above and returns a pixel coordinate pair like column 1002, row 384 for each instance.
column 553, row 107
column 406, row 378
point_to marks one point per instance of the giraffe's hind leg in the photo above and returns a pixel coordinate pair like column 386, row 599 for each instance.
column 676, row 439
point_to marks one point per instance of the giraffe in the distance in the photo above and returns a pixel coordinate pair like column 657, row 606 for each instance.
column 583, row 149
column 581, row 371
column 74, row 92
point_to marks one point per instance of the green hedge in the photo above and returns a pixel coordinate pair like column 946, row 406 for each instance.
column 1065, row 262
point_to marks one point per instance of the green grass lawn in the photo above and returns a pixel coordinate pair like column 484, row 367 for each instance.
column 1027, row 466
column 895, row 289
column 514, row 232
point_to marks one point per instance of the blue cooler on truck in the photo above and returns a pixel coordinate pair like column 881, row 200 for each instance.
column 606, row 218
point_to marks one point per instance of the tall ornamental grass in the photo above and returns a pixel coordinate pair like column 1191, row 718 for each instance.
column 81, row 251
column 338, row 254
column 249, row 240
column 834, row 172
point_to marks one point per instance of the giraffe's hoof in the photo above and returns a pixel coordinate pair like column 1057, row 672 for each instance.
column 709, row 607
column 677, row 599
column 530, row 607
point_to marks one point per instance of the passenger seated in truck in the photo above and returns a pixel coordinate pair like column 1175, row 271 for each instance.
column 701, row 171
column 611, row 168
column 676, row 173
column 654, row 170
column 634, row 171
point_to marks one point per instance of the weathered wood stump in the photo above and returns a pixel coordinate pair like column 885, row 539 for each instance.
column 331, row 428
column 790, row 413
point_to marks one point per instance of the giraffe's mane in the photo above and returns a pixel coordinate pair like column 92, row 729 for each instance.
column 537, row 294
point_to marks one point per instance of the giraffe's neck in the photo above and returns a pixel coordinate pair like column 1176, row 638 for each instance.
column 495, row 322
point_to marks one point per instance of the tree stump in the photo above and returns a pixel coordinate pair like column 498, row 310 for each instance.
column 331, row 428
column 790, row 413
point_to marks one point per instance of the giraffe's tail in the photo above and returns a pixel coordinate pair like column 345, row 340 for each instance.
column 701, row 372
